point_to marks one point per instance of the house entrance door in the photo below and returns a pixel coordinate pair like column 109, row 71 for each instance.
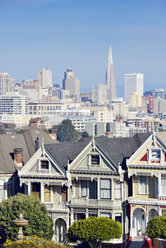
column 139, row 222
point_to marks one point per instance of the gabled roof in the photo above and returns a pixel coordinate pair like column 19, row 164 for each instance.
column 67, row 151
column 26, row 141
column 116, row 149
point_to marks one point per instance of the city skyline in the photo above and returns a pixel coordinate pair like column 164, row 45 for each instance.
column 57, row 34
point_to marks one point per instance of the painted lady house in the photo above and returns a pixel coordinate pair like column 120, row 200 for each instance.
column 82, row 179
column 147, row 180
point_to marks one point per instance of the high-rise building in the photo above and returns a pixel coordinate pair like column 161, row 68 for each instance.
column 44, row 75
column 72, row 84
column 6, row 83
column 99, row 93
column 110, row 80
column 133, row 83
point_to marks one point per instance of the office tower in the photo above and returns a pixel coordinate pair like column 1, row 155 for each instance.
column 44, row 75
column 72, row 84
column 110, row 80
column 99, row 93
column 6, row 83
column 133, row 83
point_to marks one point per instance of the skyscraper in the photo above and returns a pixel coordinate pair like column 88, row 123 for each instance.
column 133, row 83
column 72, row 84
column 44, row 75
column 6, row 83
column 99, row 93
column 110, row 80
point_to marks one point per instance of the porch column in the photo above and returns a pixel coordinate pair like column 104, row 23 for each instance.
column 29, row 188
column 131, row 225
column 42, row 192
column 71, row 216
column 98, row 189
column 112, row 187
column 159, row 184
column 86, row 213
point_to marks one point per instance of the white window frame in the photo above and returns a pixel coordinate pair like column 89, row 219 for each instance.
column 106, row 189
column 117, row 183
column 42, row 169
column 139, row 186
column 84, row 194
column 163, row 191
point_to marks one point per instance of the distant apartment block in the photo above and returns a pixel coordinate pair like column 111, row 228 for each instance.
column 6, row 83
column 44, row 75
column 99, row 94
column 133, row 83
column 72, row 84
column 13, row 104
column 150, row 124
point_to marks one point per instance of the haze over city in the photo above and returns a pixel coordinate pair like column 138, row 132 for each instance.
column 77, row 33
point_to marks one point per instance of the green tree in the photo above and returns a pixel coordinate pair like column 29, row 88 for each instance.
column 85, row 134
column 156, row 227
column 39, row 223
column 66, row 131
column 94, row 230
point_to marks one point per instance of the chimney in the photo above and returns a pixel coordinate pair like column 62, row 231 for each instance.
column 36, row 144
column 18, row 156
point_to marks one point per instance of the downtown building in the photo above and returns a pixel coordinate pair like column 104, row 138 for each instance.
column 133, row 83
column 6, row 83
column 71, row 84
column 44, row 76
column 110, row 79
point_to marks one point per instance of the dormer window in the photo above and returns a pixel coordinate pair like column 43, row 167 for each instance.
column 44, row 164
column 95, row 159
column 155, row 154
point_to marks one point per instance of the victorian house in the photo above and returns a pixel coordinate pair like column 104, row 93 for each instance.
column 146, row 170
column 82, row 179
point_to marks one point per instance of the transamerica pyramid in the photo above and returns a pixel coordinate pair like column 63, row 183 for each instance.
column 110, row 80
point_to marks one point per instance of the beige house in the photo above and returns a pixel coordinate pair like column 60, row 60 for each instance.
column 147, row 181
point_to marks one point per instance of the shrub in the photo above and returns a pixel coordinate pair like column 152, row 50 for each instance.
column 94, row 230
column 156, row 227
column 39, row 223
column 33, row 242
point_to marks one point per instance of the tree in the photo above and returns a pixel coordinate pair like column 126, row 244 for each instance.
column 66, row 131
column 156, row 227
column 39, row 223
column 85, row 134
column 94, row 230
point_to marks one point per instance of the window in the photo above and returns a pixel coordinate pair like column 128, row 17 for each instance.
column 118, row 190
column 79, row 216
column 47, row 193
column 64, row 193
column 155, row 154
column 108, row 215
column 163, row 184
column 143, row 185
column 105, row 189
column 44, row 164
column 2, row 189
column 9, row 189
column 95, row 159
column 118, row 217
column 83, row 188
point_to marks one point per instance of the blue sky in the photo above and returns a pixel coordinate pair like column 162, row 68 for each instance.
column 77, row 33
